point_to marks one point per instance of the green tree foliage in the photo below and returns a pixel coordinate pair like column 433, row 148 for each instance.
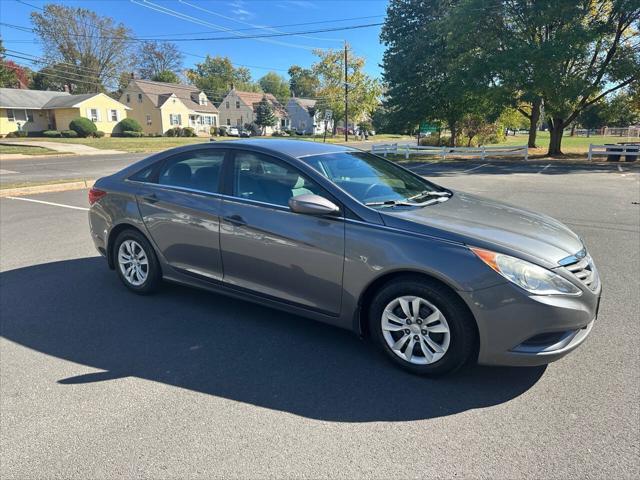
column 276, row 85
column 620, row 111
column 216, row 75
column 265, row 116
column 303, row 82
column 166, row 76
column 7, row 75
column 364, row 91
column 93, row 49
column 424, row 67
column 159, row 60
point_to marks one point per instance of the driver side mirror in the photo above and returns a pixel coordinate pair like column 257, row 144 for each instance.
column 310, row 204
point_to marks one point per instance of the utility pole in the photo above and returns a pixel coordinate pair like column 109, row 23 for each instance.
column 346, row 96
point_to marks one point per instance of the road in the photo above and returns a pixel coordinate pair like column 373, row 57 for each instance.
column 100, row 383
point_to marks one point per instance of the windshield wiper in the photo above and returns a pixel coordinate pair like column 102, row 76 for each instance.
column 430, row 193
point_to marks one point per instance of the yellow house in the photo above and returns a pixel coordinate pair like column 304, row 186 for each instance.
column 38, row 110
column 159, row 106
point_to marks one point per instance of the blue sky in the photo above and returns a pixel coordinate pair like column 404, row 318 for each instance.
column 183, row 18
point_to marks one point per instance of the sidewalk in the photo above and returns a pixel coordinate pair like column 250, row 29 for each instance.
column 63, row 148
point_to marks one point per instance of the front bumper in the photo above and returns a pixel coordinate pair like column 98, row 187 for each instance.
column 518, row 329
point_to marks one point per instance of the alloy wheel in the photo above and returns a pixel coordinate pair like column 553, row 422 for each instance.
column 415, row 330
column 133, row 262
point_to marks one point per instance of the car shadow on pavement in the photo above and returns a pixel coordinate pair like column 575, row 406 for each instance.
column 77, row 310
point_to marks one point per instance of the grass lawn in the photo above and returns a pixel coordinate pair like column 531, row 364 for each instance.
column 26, row 150
column 574, row 147
column 133, row 145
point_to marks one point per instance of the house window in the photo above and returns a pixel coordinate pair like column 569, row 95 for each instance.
column 237, row 103
column 139, row 98
column 228, row 122
column 113, row 115
column 128, row 98
column 93, row 114
column 148, row 119
column 239, row 122
column 208, row 119
column 175, row 119
column 227, row 104
column 283, row 122
column 10, row 115
column 215, row 121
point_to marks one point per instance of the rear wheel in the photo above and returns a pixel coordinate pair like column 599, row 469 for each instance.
column 136, row 262
column 422, row 326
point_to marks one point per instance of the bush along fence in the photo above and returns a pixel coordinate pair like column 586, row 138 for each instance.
column 444, row 152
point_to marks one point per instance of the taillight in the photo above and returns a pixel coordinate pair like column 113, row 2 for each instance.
column 95, row 194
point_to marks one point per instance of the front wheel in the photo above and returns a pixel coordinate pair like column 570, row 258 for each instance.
column 422, row 326
column 136, row 262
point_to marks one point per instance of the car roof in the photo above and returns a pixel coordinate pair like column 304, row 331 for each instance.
column 293, row 148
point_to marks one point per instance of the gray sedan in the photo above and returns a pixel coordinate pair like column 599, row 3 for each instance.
column 435, row 277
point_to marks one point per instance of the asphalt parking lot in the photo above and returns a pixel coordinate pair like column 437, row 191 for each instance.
column 100, row 383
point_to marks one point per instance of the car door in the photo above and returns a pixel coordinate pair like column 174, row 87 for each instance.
column 272, row 251
column 181, row 207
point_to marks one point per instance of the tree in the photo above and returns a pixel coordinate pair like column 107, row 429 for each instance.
column 568, row 54
column 159, row 59
column 364, row 91
column 166, row 76
column 7, row 75
column 620, row 111
column 55, row 77
column 265, row 116
column 276, row 85
column 594, row 116
column 216, row 75
column 427, row 70
column 302, row 82
column 94, row 49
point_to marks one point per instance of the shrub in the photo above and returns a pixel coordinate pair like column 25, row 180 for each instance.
column 213, row 131
column 128, row 125
column 10, row 135
column 99, row 134
column 17, row 133
column 51, row 133
column 83, row 127
column 222, row 131
column 70, row 134
column 188, row 132
column 128, row 133
column 173, row 132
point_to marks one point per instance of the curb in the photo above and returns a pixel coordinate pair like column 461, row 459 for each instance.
column 53, row 187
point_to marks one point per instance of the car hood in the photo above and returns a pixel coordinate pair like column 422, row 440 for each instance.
column 488, row 223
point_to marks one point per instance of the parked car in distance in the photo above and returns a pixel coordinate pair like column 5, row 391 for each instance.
column 245, row 133
column 233, row 132
column 435, row 277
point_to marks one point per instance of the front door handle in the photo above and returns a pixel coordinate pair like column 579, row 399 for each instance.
column 151, row 198
column 236, row 220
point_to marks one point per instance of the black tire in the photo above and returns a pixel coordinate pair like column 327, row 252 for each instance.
column 154, row 273
column 462, row 336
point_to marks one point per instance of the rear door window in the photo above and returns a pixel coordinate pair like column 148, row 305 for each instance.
column 197, row 170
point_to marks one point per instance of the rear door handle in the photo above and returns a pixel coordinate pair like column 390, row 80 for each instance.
column 151, row 198
column 236, row 220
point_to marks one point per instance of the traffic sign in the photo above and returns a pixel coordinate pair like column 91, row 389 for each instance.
column 428, row 128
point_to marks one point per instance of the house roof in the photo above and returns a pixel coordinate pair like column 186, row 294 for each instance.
column 68, row 101
column 158, row 92
column 304, row 102
column 253, row 98
column 20, row 98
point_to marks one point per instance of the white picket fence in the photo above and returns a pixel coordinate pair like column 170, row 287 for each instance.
column 475, row 152
column 632, row 150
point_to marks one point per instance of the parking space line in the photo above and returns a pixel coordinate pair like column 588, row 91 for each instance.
column 544, row 168
column 6, row 172
column 475, row 168
column 48, row 203
column 620, row 169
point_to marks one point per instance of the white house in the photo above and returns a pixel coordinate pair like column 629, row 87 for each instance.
column 300, row 112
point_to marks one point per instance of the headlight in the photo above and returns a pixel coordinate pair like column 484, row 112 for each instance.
column 532, row 278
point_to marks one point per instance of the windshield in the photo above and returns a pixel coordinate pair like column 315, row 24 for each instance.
column 373, row 180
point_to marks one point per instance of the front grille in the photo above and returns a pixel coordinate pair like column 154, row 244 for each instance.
column 585, row 271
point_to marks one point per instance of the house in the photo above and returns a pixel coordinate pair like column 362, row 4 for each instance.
column 239, row 108
column 301, row 120
column 38, row 110
column 159, row 106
